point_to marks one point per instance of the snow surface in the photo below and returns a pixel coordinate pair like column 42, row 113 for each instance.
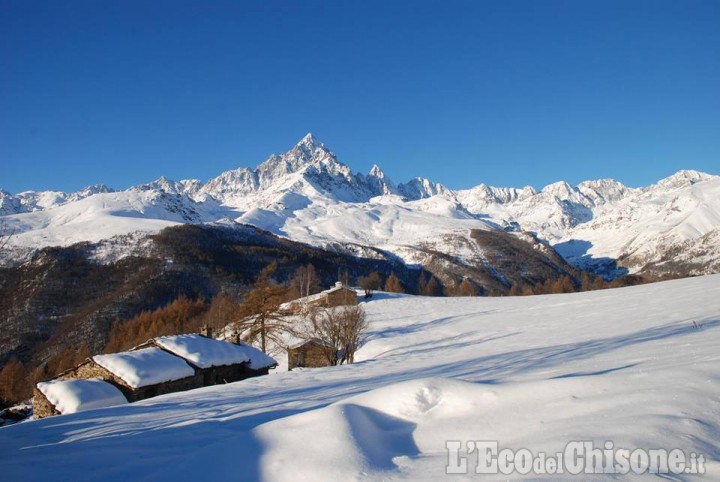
column 146, row 366
column 626, row 365
column 206, row 352
column 72, row 396
column 203, row 352
column 258, row 359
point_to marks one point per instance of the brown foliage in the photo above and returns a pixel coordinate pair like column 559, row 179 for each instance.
column 393, row 285
column 13, row 383
column 468, row 288
column 261, row 317
column 428, row 286
column 180, row 316
column 223, row 310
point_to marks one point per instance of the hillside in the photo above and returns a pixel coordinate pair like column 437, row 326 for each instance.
column 636, row 366
column 64, row 298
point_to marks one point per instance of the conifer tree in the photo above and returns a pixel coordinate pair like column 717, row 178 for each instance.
column 393, row 285
column 468, row 288
column 261, row 316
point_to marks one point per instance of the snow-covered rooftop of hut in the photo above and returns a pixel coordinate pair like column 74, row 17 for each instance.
column 316, row 341
column 71, row 396
column 258, row 359
column 204, row 352
column 147, row 366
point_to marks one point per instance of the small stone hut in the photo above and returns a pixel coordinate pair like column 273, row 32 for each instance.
column 338, row 295
column 61, row 397
column 309, row 354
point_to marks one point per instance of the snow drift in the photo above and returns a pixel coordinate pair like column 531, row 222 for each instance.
column 72, row 396
column 637, row 366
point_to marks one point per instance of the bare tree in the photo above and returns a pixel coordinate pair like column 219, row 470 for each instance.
column 370, row 283
column 304, row 282
column 340, row 330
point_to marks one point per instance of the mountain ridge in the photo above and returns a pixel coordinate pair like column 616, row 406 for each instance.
column 308, row 195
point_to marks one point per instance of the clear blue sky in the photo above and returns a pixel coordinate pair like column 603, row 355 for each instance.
column 503, row 92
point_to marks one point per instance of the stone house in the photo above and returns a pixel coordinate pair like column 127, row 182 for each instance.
column 217, row 361
column 60, row 397
column 338, row 295
column 309, row 354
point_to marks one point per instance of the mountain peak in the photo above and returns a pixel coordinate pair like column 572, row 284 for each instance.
column 684, row 178
column 375, row 171
column 308, row 148
column 559, row 189
column 309, row 141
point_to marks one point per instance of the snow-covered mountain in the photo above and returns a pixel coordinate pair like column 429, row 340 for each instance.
column 307, row 195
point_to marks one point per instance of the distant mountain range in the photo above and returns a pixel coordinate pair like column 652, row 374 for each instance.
column 307, row 195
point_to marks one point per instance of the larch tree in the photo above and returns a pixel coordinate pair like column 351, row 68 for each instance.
column 13, row 384
column 468, row 288
column 393, row 285
column 262, row 319
column 428, row 286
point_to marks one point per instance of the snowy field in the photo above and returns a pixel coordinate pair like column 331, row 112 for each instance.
column 639, row 367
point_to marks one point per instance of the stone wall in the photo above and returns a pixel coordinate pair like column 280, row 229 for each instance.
column 309, row 355
column 90, row 369
column 41, row 405
column 223, row 374
column 343, row 296
column 188, row 383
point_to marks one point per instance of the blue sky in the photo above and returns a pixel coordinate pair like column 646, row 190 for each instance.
column 503, row 92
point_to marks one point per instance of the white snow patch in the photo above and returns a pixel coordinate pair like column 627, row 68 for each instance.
column 146, row 366
column 258, row 359
column 206, row 352
column 72, row 396
column 203, row 352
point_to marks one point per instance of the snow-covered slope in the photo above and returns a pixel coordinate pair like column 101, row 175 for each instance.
column 635, row 366
column 601, row 221
column 307, row 195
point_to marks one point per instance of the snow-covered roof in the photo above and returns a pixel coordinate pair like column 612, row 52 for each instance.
column 204, row 352
column 258, row 359
column 71, row 396
column 318, row 296
column 147, row 366
column 316, row 341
